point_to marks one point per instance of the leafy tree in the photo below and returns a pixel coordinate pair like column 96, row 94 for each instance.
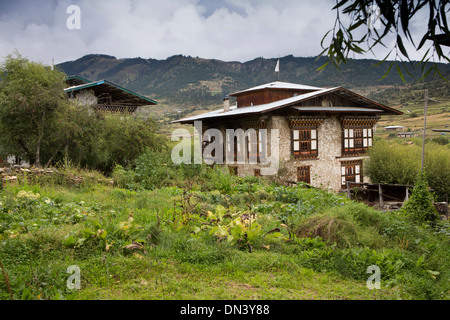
column 394, row 17
column 419, row 207
column 30, row 96
column 123, row 138
column 73, row 136
column 397, row 163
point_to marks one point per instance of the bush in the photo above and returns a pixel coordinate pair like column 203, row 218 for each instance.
column 397, row 163
column 441, row 140
column 420, row 206
column 330, row 228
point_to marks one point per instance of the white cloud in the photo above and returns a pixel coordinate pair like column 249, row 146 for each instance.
column 223, row 29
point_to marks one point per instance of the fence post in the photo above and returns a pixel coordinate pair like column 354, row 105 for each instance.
column 380, row 194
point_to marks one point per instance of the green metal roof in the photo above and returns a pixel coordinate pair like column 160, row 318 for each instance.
column 118, row 93
column 77, row 80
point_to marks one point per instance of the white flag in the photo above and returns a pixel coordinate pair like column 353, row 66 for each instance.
column 277, row 67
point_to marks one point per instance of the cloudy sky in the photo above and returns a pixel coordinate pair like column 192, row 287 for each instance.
column 230, row 30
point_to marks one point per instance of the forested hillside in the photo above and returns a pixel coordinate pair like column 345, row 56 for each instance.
column 189, row 81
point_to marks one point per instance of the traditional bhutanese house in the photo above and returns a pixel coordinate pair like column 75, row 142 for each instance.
column 105, row 96
column 324, row 133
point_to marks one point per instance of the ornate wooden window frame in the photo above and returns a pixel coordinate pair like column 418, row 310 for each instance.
column 351, row 171
column 305, row 137
column 304, row 174
column 253, row 148
column 357, row 135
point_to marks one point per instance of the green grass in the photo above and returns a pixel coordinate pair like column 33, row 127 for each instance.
column 205, row 250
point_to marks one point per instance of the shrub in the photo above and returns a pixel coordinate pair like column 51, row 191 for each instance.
column 419, row 207
column 441, row 140
column 153, row 169
column 398, row 164
column 330, row 228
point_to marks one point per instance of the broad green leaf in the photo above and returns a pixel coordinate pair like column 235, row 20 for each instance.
column 69, row 241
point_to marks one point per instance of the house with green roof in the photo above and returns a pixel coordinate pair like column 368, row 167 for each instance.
column 105, row 96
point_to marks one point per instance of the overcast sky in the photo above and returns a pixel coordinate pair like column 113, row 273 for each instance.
column 230, row 30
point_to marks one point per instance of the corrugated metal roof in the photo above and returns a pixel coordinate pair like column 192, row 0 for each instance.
column 76, row 80
column 122, row 95
column 234, row 111
column 372, row 106
column 337, row 109
column 279, row 85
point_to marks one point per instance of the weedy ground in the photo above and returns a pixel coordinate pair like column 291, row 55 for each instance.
column 257, row 240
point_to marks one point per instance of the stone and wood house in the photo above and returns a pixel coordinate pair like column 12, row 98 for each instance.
column 105, row 96
column 324, row 133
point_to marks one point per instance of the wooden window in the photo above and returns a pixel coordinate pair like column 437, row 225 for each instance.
column 254, row 146
column 206, row 141
column 303, row 174
column 257, row 172
column 237, row 152
column 356, row 140
column 247, row 147
column 351, row 172
column 304, row 143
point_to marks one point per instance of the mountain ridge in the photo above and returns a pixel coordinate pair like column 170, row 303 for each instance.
column 186, row 81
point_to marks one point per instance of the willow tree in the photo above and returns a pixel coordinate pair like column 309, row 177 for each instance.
column 31, row 94
column 363, row 25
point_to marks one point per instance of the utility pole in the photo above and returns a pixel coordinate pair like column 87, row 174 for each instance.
column 424, row 126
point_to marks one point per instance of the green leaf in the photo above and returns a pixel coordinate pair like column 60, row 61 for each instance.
column 400, row 73
column 388, row 70
column 80, row 242
column 402, row 47
column 434, row 273
column 195, row 230
column 420, row 260
column 69, row 241
column 355, row 25
column 322, row 66
column 26, row 294
column 219, row 231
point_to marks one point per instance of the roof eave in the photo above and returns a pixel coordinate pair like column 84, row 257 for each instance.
column 100, row 82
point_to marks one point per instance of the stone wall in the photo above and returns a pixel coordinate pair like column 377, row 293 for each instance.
column 325, row 170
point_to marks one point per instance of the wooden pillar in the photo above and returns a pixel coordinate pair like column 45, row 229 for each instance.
column 380, row 194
